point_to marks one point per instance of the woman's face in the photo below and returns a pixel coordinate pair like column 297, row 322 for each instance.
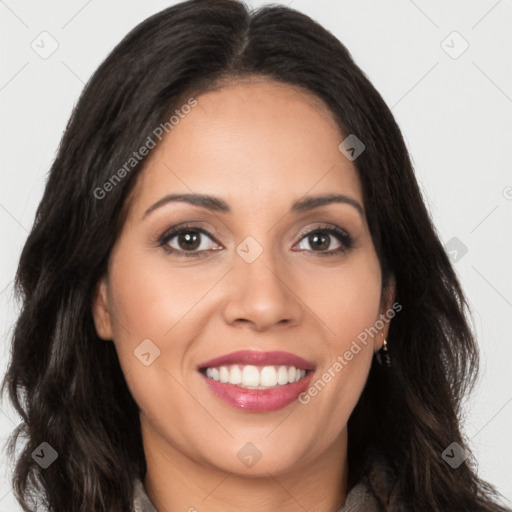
column 249, row 272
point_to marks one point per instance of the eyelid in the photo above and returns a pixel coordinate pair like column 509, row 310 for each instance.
column 176, row 230
column 324, row 227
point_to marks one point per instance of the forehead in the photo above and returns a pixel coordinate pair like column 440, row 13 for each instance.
column 254, row 143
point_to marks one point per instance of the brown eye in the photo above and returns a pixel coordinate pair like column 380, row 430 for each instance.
column 319, row 241
column 188, row 241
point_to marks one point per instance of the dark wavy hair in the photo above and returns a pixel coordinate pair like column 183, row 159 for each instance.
column 67, row 384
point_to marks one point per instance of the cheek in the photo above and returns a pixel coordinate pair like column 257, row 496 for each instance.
column 348, row 307
column 347, row 300
column 150, row 295
column 150, row 304
column 153, row 300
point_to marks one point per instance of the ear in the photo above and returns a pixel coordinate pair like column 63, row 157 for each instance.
column 101, row 312
column 387, row 312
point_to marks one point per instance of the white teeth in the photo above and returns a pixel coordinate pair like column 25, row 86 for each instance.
column 250, row 376
column 235, row 375
column 256, row 377
column 268, row 376
column 224, row 374
column 282, row 375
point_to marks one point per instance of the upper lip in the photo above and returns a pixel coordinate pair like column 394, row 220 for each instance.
column 256, row 357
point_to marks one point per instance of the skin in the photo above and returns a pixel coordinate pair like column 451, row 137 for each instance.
column 260, row 146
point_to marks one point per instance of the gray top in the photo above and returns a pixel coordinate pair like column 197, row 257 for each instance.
column 359, row 499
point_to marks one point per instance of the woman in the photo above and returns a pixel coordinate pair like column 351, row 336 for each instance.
column 230, row 232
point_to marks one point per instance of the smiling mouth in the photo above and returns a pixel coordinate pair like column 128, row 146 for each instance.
column 255, row 377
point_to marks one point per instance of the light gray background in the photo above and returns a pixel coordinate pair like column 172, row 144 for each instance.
column 453, row 113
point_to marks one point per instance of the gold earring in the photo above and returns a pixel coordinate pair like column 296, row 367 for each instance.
column 382, row 355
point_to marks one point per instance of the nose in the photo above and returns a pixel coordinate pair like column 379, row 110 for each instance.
column 261, row 294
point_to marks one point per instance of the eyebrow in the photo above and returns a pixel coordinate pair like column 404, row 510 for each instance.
column 216, row 204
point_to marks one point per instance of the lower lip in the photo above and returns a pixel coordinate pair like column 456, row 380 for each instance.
column 258, row 400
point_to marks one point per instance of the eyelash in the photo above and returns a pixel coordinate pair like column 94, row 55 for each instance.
column 343, row 237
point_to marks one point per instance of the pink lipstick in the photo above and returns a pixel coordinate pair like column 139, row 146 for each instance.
column 257, row 381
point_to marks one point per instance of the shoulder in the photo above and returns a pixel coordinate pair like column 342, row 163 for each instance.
column 141, row 501
column 360, row 499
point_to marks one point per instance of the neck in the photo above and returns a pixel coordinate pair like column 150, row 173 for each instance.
column 175, row 481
